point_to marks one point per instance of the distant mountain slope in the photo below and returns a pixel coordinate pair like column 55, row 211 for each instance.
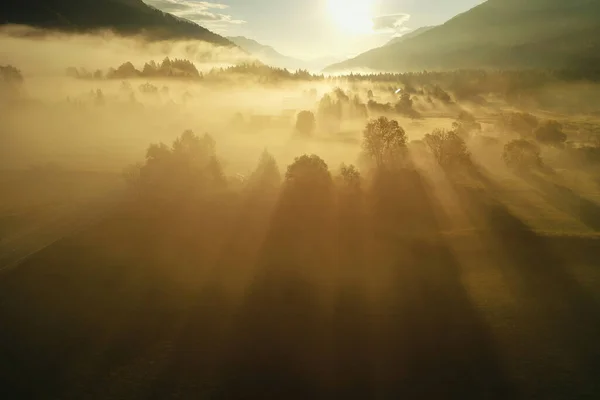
column 498, row 34
column 266, row 54
column 126, row 17
column 272, row 57
column 409, row 35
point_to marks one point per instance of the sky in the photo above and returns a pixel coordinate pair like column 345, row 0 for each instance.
column 313, row 29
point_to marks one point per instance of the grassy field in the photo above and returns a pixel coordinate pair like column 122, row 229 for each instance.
column 497, row 298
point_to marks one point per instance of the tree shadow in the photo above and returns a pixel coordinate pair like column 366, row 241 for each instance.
column 567, row 200
column 556, row 314
column 436, row 343
column 278, row 346
column 352, row 322
column 199, row 339
column 431, row 340
column 400, row 204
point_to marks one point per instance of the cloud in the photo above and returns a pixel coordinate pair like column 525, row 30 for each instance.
column 392, row 23
column 198, row 11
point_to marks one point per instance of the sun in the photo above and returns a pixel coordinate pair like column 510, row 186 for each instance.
column 351, row 16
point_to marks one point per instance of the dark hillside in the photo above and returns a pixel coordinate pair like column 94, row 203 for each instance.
column 126, row 17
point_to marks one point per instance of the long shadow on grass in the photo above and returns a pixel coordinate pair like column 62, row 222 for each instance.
column 559, row 317
column 567, row 200
column 279, row 343
column 203, row 333
column 432, row 341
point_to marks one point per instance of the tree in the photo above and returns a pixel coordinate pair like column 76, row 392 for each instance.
column 522, row 155
column 11, row 81
column 266, row 177
column 520, row 123
column 405, row 103
column 306, row 123
column 10, row 75
column 550, row 133
column 404, row 106
column 307, row 190
column 384, row 141
column 308, row 171
column 437, row 92
column 185, row 170
column 148, row 88
column 466, row 124
column 125, row 70
column 349, row 178
column 448, row 148
column 358, row 110
column 329, row 113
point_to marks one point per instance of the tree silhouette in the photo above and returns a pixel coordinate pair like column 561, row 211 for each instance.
column 349, row 179
column 520, row 123
column 11, row 81
column 384, row 141
column 448, row 148
column 550, row 133
column 329, row 113
column 184, row 171
column 465, row 125
column 308, row 172
column 306, row 123
column 522, row 155
column 266, row 178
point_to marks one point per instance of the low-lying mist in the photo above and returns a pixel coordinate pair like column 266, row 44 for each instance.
column 96, row 102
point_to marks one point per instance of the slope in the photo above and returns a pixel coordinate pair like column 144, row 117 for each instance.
column 266, row 54
column 127, row 17
column 498, row 34
column 409, row 35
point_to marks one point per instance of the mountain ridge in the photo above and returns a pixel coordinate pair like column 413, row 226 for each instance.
column 497, row 34
column 409, row 35
column 125, row 17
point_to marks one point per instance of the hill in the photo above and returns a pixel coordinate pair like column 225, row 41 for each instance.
column 266, row 54
column 409, row 35
column 272, row 57
column 497, row 34
column 126, row 17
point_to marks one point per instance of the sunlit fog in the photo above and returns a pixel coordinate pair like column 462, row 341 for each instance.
column 190, row 210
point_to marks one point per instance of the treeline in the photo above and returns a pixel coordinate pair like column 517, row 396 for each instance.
column 465, row 83
column 191, row 164
column 185, row 69
column 168, row 68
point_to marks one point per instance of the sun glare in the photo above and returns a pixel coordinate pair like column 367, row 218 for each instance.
column 352, row 16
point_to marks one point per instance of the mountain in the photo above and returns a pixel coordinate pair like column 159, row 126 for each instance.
column 270, row 56
column 409, row 35
column 127, row 17
column 266, row 54
column 507, row 34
